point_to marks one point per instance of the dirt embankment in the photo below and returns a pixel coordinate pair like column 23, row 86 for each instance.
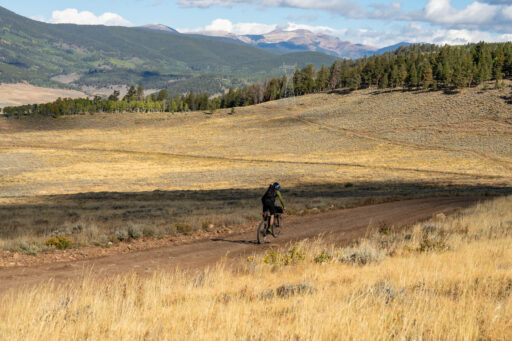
column 340, row 227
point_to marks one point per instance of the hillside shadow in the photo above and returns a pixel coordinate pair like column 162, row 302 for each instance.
column 507, row 99
column 450, row 91
column 162, row 212
column 235, row 241
column 341, row 91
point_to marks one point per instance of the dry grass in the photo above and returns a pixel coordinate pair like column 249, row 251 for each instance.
column 461, row 290
column 101, row 218
column 24, row 93
column 390, row 145
column 362, row 136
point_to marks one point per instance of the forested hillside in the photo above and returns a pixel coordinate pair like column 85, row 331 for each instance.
column 414, row 67
column 100, row 56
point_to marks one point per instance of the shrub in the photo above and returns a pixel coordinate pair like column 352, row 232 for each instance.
column 121, row 234
column 60, row 243
column 134, row 232
column 183, row 228
column 103, row 239
column 293, row 256
column 148, row 231
column 27, row 248
column 289, row 290
column 323, row 257
column 363, row 254
column 433, row 240
column 384, row 229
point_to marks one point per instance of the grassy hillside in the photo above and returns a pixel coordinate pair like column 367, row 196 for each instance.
column 381, row 144
column 446, row 279
column 100, row 55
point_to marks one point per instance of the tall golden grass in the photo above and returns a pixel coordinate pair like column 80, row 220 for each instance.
column 446, row 279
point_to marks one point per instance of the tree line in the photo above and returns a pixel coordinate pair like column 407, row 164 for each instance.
column 414, row 67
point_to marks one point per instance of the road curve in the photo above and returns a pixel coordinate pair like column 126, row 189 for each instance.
column 341, row 226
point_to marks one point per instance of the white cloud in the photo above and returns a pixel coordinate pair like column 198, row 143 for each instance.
column 442, row 12
column 73, row 16
column 413, row 32
column 417, row 33
column 486, row 15
column 479, row 15
column 347, row 8
column 225, row 25
column 38, row 18
column 247, row 28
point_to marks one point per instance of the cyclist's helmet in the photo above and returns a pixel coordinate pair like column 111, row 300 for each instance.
column 276, row 185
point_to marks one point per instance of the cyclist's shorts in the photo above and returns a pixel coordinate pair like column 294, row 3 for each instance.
column 268, row 205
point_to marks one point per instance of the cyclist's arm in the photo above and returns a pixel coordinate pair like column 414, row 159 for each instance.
column 280, row 198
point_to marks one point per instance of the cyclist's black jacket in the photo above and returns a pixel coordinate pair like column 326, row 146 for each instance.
column 271, row 194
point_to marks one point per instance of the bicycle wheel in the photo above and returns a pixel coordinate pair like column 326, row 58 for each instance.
column 262, row 232
column 278, row 225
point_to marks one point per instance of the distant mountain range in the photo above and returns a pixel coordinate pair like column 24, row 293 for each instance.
column 90, row 58
column 283, row 41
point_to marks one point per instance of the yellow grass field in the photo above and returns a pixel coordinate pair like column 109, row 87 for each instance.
column 350, row 148
column 363, row 136
column 446, row 279
column 87, row 176
column 24, row 93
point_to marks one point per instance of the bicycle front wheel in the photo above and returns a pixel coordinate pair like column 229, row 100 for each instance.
column 278, row 225
column 262, row 232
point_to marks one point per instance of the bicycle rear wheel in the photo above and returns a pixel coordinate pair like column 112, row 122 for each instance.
column 262, row 232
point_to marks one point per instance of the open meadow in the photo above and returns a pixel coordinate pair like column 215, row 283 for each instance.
column 446, row 279
column 88, row 176
column 24, row 93
column 191, row 183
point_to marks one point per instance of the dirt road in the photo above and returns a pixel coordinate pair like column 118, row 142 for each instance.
column 341, row 226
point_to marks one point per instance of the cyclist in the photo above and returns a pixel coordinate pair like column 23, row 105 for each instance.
column 269, row 199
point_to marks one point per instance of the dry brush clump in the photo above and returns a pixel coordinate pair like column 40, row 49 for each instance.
column 305, row 291
column 103, row 218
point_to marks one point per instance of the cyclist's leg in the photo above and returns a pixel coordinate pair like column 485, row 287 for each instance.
column 272, row 210
column 279, row 211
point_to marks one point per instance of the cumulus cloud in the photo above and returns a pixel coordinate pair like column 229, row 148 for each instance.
column 73, row 16
column 248, row 28
column 442, row 12
column 413, row 32
column 347, row 8
column 416, row 33
column 225, row 25
column 499, row 2
column 494, row 15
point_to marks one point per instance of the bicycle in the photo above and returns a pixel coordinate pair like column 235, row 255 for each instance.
column 264, row 228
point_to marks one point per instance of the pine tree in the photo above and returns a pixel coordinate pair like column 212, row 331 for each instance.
column 384, row 82
column 130, row 95
column 115, row 96
column 162, row 95
column 140, row 93
column 428, row 77
column 413, row 76
column 322, row 79
column 334, row 78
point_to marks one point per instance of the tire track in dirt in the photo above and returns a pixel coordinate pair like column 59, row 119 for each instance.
column 263, row 161
column 340, row 227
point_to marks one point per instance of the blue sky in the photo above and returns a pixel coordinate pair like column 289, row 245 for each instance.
column 374, row 22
